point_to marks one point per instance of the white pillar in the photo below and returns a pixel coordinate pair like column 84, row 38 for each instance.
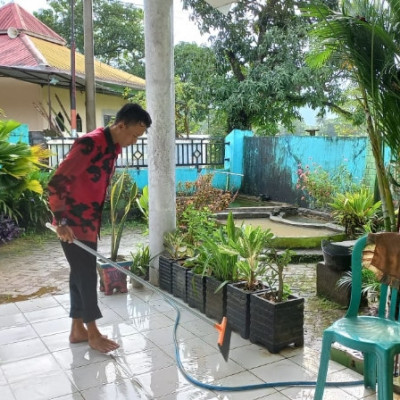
column 160, row 98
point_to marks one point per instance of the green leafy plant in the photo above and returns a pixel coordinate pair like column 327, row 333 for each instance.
column 117, row 217
column 143, row 203
column 200, row 194
column 196, row 224
column 141, row 261
column 369, row 281
column 277, row 262
column 33, row 207
column 248, row 245
column 17, row 162
column 357, row 211
column 318, row 186
column 176, row 245
column 210, row 261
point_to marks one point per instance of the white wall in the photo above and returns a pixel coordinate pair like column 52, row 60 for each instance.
column 17, row 101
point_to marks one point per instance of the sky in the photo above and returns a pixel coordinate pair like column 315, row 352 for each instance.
column 184, row 29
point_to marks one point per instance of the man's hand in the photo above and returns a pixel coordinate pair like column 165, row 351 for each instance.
column 65, row 233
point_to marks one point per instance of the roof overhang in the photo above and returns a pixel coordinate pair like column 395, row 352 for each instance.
column 54, row 77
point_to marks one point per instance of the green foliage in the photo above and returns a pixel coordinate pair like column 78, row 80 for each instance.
column 277, row 262
column 141, row 261
column 248, row 245
column 117, row 28
column 17, row 163
column 210, row 261
column 143, row 203
column 262, row 78
column 118, row 203
column 362, row 41
column 357, row 211
column 202, row 194
column 196, row 223
column 33, row 207
column 176, row 245
column 369, row 281
column 318, row 186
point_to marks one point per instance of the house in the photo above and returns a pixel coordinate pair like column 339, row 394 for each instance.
column 35, row 77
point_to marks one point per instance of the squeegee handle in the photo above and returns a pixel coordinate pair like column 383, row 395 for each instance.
column 100, row 256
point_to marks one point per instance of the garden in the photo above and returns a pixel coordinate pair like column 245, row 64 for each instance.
column 237, row 269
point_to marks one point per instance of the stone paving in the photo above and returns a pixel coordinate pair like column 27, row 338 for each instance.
column 40, row 268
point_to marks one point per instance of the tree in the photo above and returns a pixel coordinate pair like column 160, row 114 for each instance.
column 195, row 71
column 117, row 29
column 363, row 40
column 260, row 49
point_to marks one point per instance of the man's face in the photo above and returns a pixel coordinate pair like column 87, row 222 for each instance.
column 131, row 133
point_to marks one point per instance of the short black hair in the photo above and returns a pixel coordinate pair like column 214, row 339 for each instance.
column 133, row 113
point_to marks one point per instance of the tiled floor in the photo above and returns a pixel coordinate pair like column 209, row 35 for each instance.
column 38, row 363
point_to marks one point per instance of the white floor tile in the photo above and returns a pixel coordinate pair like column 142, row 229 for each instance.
column 6, row 393
column 46, row 328
column 252, row 356
column 47, row 386
column 46, row 314
column 9, row 309
column 12, row 320
column 17, row 334
column 26, row 369
column 37, row 304
column 21, row 350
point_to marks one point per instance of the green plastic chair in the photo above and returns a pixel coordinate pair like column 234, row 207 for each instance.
column 378, row 337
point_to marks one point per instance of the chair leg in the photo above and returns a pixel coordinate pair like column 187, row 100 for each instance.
column 323, row 367
column 385, row 375
column 370, row 370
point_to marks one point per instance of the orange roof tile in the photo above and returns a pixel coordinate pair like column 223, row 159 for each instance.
column 38, row 52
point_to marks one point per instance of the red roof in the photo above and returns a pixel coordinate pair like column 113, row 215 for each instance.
column 14, row 16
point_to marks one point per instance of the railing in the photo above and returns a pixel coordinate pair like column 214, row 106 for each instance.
column 193, row 152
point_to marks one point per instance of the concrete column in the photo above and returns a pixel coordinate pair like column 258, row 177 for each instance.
column 160, row 98
column 89, row 66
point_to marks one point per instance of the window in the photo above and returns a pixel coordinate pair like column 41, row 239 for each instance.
column 78, row 123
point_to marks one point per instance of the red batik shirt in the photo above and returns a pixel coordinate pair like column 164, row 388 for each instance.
column 78, row 188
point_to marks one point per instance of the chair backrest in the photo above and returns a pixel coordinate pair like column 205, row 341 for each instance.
column 388, row 303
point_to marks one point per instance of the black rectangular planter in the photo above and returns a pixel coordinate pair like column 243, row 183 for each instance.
column 238, row 309
column 276, row 325
column 165, row 273
column 215, row 303
column 179, row 280
column 195, row 290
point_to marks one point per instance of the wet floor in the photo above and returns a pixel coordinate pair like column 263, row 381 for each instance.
column 37, row 362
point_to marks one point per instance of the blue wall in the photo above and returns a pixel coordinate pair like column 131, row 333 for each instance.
column 271, row 163
column 228, row 178
column 20, row 134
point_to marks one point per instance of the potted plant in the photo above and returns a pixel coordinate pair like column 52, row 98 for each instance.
column 121, row 202
column 276, row 316
column 140, row 265
column 217, row 269
column 248, row 246
column 172, row 274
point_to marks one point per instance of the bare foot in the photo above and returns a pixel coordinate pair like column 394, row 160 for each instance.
column 102, row 344
column 78, row 334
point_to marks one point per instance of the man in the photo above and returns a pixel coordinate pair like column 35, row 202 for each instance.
column 76, row 197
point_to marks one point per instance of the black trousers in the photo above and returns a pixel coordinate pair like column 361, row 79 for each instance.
column 82, row 281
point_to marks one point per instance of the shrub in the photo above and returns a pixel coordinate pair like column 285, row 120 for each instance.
column 200, row 194
column 8, row 229
column 318, row 186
